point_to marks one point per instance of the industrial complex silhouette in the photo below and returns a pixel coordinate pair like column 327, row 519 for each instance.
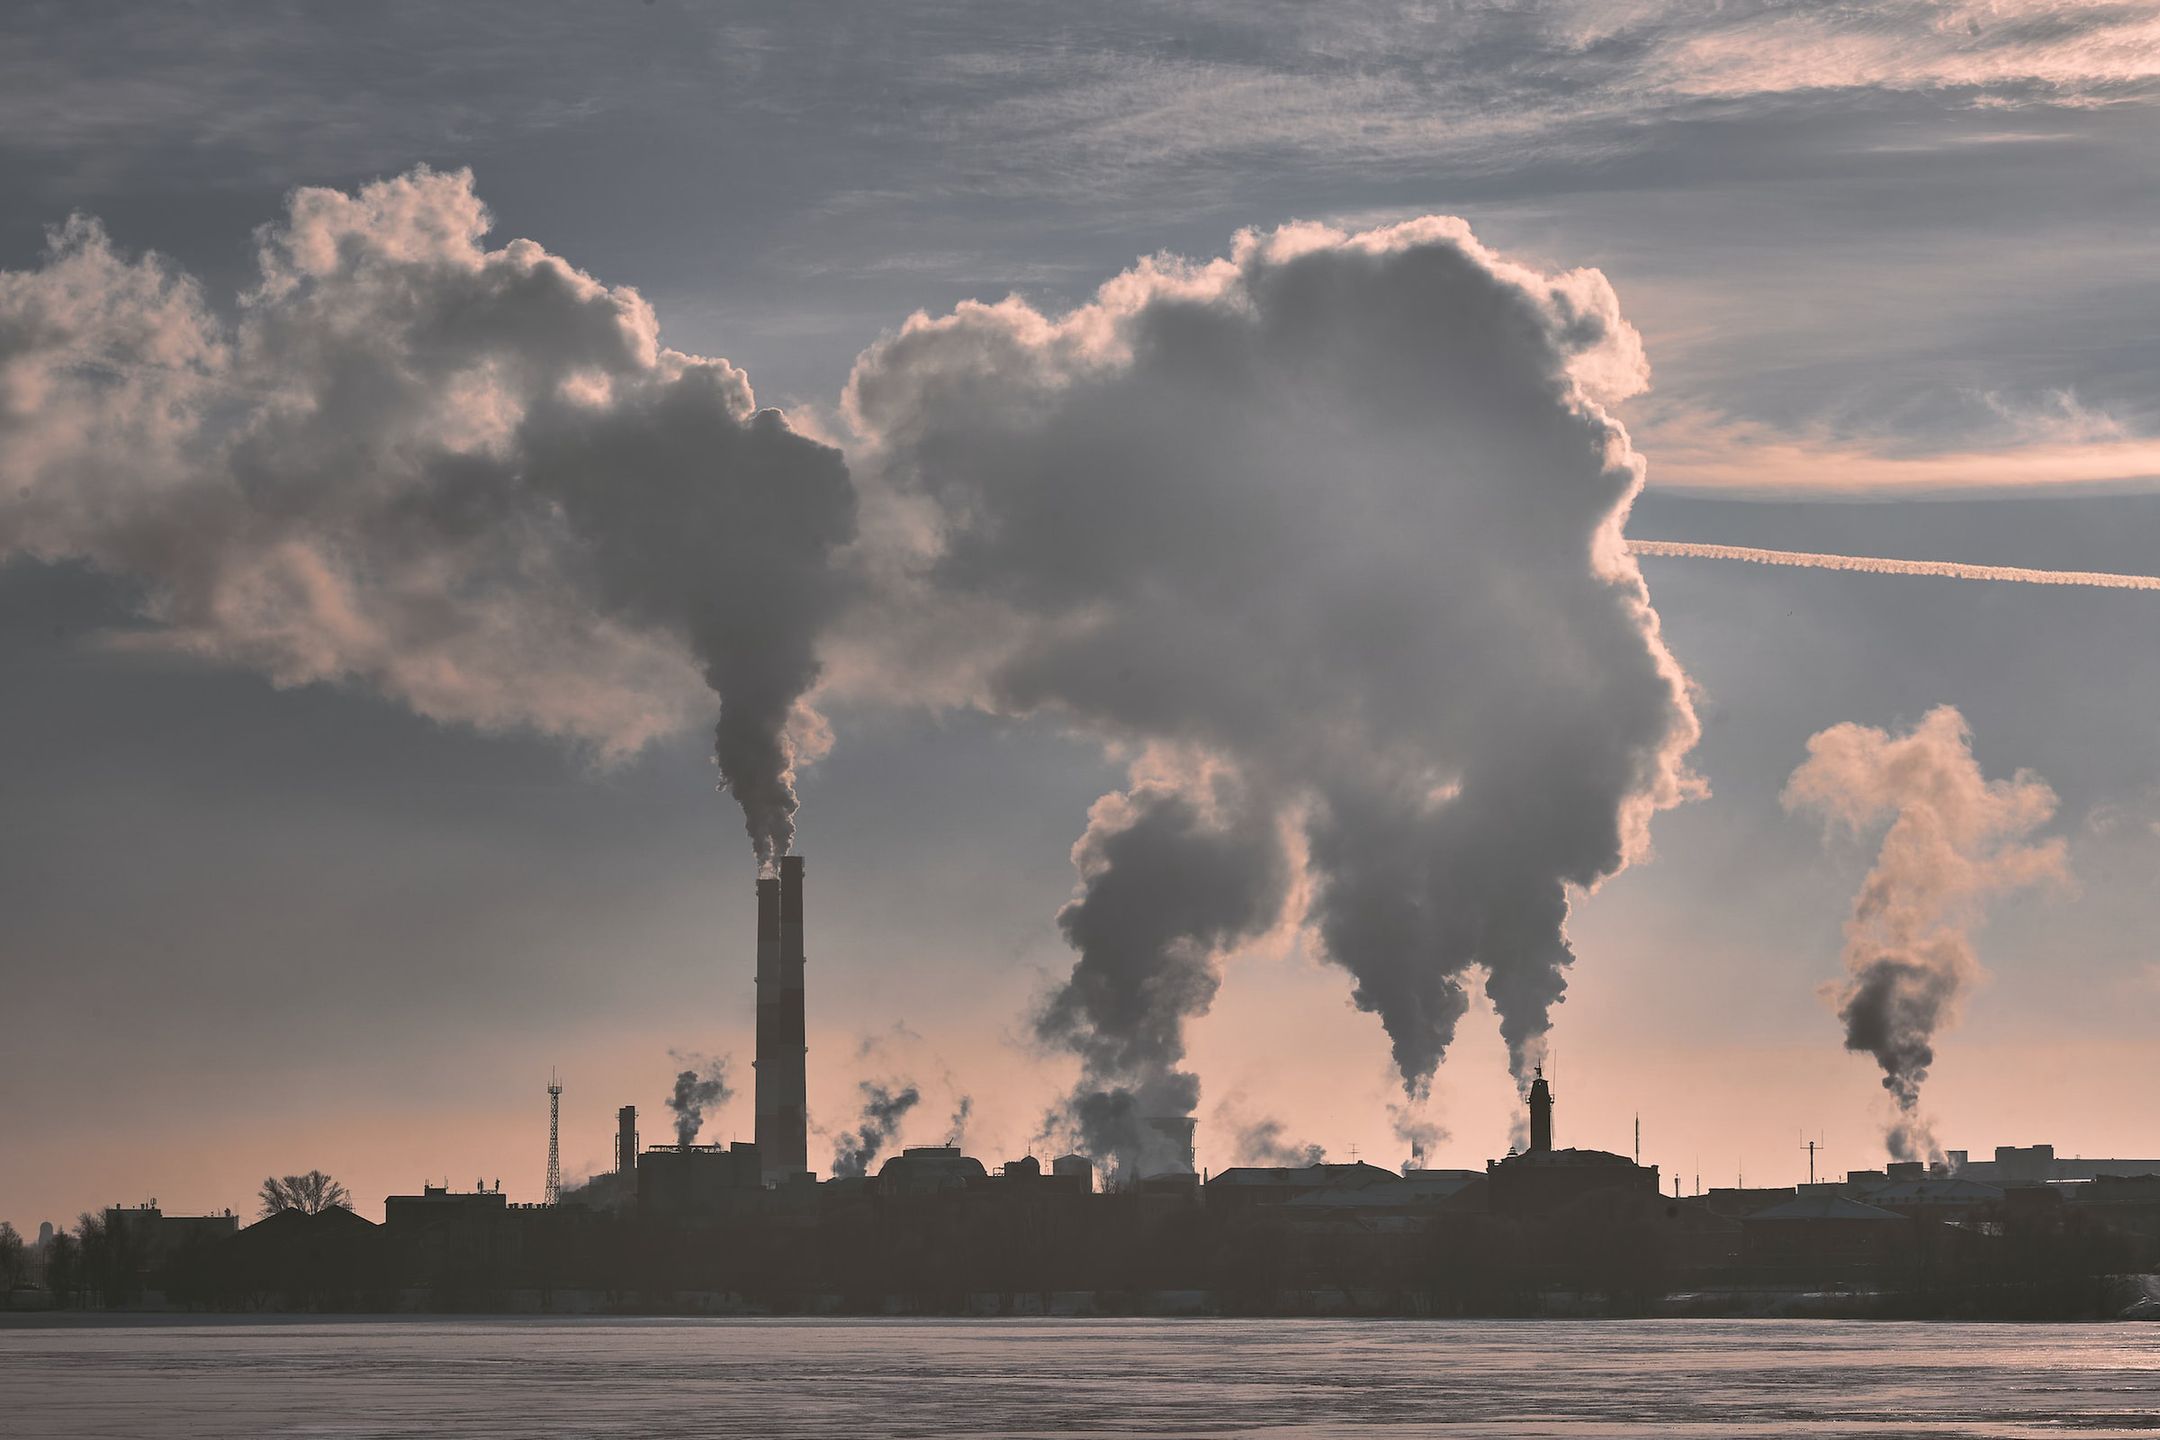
column 748, row 1228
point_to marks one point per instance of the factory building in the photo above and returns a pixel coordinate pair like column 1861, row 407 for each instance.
column 698, row 1179
column 929, row 1170
column 1543, row 1178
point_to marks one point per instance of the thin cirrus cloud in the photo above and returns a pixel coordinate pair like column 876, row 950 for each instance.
column 1693, row 452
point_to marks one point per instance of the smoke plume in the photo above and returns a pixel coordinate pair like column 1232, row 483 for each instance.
column 704, row 1084
column 1419, row 1134
column 883, row 1110
column 1341, row 515
column 1169, row 877
column 956, row 1128
column 469, row 479
column 1954, row 839
column 1261, row 1142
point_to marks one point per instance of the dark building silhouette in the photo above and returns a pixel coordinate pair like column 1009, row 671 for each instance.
column 1075, row 1167
column 782, row 1135
column 929, row 1170
column 1542, row 1178
column 698, row 1179
column 1540, row 1113
column 1814, row 1234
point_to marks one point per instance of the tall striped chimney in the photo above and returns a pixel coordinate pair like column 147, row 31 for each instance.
column 783, row 1140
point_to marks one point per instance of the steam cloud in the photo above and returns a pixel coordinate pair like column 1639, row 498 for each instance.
column 956, row 1128
column 469, row 479
column 1336, row 521
column 704, row 1084
column 1954, row 838
column 883, row 1110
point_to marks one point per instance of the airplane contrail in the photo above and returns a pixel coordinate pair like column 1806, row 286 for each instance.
column 1878, row 565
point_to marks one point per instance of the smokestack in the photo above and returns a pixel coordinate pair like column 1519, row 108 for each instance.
column 1540, row 1114
column 783, row 1139
column 626, row 1140
column 1172, row 1150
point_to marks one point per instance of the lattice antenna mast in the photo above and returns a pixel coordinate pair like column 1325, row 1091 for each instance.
column 554, row 1180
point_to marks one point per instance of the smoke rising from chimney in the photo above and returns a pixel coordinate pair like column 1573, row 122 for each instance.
column 1342, row 515
column 883, row 1110
column 469, row 479
column 956, row 1129
column 1336, row 519
column 1954, row 839
column 1169, row 877
column 703, row 1085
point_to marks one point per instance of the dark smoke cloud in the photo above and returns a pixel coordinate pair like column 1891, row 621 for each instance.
column 1342, row 516
column 469, row 479
column 1169, row 878
column 883, row 1110
column 704, row 1085
column 1954, row 838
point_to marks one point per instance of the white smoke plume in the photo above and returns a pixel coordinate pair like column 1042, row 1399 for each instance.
column 469, row 479
column 1876, row 565
column 1954, row 838
column 1341, row 514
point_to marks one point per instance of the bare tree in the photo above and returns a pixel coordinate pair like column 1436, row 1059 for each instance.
column 310, row 1194
column 11, row 1262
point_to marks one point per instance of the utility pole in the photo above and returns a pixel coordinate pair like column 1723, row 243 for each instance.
column 1812, row 1146
column 554, row 1176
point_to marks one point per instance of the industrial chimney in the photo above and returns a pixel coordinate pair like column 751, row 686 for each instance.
column 783, row 1140
column 626, row 1140
column 1540, row 1114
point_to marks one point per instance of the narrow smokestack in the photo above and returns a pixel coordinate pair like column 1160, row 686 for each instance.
column 1540, row 1114
column 782, row 1132
column 626, row 1140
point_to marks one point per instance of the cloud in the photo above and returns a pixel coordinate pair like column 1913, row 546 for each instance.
column 1954, row 839
column 1692, row 451
column 469, row 479
column 2035, row 51
column 1339, row 514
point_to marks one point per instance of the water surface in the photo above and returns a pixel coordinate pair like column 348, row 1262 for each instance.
column 1282, row 1379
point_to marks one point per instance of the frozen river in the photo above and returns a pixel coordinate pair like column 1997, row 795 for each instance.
column 1289, row 1379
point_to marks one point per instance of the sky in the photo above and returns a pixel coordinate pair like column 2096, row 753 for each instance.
column 346, row 797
